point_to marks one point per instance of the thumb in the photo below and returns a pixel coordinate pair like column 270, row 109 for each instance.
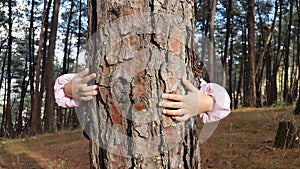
column 189, row 85
column 83, row 73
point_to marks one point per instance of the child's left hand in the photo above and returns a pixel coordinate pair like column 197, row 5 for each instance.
column 183, row 107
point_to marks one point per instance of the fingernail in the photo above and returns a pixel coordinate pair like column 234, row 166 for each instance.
column 164, row 112
column 163, row 96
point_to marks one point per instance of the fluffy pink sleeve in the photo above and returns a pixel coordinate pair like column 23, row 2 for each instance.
column 61, row 98
column 221, row 108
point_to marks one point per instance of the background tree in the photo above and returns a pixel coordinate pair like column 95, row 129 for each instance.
column 49, row 77
column 8, row 125
column 35, row 122
column 250, row 90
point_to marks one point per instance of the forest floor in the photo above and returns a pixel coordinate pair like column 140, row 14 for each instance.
column 244, row 140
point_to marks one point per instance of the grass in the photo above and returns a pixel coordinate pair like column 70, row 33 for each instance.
column 62, row 150
column 243, row 140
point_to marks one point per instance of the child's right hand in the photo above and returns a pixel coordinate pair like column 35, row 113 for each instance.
column 78, row 87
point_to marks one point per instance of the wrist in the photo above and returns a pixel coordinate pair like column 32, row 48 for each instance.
column 206, row 103
column 68, row 89
column 210, row 103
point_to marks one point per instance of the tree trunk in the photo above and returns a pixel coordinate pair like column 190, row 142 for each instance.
column 4, row 97
column 36, row 114
column 298, row 60
column 272, row 95
column 286, row 91
column 25, row 83
column 8, row 117
column 227, row 37
column 143, row 49
column 31, row 57
column 286, row 135
column 78, row 35
column 49, row 79
column 297, row 108
column 66, row 42
column 232, row 79
column 211, row 57
column 3, row 123
column 244, row 72
column 250, row 66
column 3, row 63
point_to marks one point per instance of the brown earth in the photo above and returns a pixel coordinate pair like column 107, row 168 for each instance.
column 60, row 150
column 244, row 140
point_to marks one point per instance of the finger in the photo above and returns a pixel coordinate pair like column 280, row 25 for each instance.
column 83, row 73
column 171, row 105
column 88, row 88
column 88, row 98
column 181, row 118
column 87, row 79
column 177, row 112
column 86, row 94
column 189, row 85
column 175, row 97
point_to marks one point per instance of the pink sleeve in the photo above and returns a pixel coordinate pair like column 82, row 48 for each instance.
column 61, row 98
column 221, row 108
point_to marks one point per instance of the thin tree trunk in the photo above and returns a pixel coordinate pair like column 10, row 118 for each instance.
column 36, row 114
column 44, row 82
column 3, row 63
column 4, row 98
column 25, row 83
column 211, row 57
column 66, row 43
column 59, row 122
column 49, row 100
column 278, row 57
column 297, row 108
column 298, row 52
column 8, row 117
column 31, row 57
column 286, row 91
column 3, row 123
column 244, row 79
column 78, row 35
column 250, row 66
column 227, row 37
column 267, row 42
column 231, row 87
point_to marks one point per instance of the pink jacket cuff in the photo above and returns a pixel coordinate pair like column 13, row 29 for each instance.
column 60, row 97
column 221, row 108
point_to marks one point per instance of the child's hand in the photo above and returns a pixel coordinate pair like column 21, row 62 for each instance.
column 78, row 87
column 183, row 107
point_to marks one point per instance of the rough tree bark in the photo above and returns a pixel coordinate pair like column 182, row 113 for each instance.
column 134, row 67
column 286, row 136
